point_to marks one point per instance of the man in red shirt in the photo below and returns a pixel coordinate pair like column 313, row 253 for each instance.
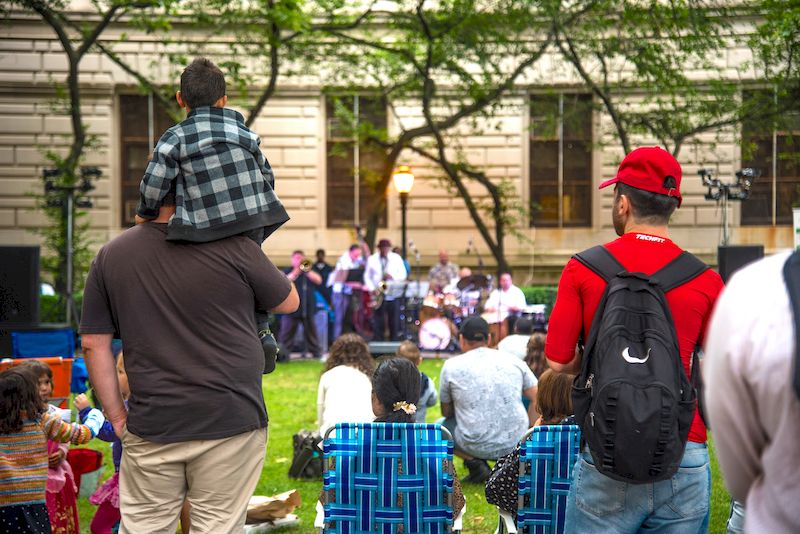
column 646, row 193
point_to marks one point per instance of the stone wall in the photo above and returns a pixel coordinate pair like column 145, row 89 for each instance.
column 292, row 127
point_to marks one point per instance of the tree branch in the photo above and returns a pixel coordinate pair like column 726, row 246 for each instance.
column 572, row 56
column 98, row 29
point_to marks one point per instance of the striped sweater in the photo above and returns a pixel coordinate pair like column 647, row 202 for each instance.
column 23, row 457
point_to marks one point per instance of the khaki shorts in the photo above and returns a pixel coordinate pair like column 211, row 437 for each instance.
column 218, row 478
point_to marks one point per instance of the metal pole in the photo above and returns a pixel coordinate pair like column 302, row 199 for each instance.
column 725, row 192
column 70, row 207
column 403, row 204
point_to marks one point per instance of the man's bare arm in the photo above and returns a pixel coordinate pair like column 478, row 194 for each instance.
column 289, row 304
column 103, row 374
column 572, row 367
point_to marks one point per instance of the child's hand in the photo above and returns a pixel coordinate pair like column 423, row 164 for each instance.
column 81, row 402
column 139, row 220
column 56, row 458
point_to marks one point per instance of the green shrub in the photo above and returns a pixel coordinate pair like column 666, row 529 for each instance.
column 51, row 307
column 540, row 295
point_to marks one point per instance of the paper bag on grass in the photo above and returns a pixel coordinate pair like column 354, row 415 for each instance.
column 262, row 508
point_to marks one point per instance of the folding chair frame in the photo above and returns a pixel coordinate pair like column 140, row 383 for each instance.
column 368, row 453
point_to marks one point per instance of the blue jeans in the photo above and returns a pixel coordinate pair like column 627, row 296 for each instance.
column 680, row 505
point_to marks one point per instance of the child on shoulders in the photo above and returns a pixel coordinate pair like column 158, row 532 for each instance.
column 223, row 184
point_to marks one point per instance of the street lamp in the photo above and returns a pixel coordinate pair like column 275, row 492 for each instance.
column 403, row 182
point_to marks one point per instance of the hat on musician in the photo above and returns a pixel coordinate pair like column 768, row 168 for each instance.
column 475, row 328
column 384, row 243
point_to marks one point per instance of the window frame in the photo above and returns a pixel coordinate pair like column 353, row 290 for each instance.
column 127, row 140
column 774, row 137
column 562, row 181
column 360, row 189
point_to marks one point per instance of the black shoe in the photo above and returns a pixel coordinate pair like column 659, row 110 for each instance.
column 479, row 471
column 270, row 347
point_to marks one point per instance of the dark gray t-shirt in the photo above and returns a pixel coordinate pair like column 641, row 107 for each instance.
column 185, row 313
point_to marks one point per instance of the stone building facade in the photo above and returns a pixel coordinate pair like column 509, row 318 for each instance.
column 296, row 130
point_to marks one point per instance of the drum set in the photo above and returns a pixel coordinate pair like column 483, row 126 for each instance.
column 435, row 317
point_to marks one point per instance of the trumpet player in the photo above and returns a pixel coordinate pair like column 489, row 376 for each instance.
column 306, row 280
column 384, row 266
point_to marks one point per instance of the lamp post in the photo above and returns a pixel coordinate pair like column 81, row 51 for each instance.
column 68, row 197
column 403, row 182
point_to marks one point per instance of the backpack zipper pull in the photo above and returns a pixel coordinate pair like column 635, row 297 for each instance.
column 591, row 417
column 589, row 381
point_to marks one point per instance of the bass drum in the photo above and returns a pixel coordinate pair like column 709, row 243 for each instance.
column 435, row 334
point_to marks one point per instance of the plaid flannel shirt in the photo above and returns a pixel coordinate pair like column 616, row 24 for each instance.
column 223, row 183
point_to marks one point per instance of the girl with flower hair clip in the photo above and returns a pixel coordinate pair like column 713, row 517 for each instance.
column 395, row 394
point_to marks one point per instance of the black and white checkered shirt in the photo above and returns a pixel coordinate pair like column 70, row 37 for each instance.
column 223, row 183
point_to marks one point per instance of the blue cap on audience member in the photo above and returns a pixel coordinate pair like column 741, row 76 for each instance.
column 475, row 329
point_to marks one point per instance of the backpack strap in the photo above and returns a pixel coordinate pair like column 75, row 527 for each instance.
column 682, row 269
column 791, row 275
column 601, row 262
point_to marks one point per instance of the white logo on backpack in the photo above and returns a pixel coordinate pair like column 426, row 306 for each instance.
column 632, row 359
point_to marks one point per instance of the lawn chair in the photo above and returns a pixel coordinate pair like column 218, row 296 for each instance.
column 547, row 457
column 377, row 476
column 44, row 343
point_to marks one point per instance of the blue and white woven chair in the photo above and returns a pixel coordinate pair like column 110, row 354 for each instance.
column 547, row 457
column 379, row 476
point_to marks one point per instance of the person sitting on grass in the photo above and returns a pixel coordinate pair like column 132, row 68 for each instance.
column 25, row 427
column 480, row 393
column 517, row 342
column 554, row 402
column 344, row 387
column 427, row 390
column 395, row 395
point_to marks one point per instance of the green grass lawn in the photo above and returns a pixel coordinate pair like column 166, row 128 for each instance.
column 291, row 394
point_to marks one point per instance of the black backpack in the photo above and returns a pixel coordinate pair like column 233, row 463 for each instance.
column 632, row 398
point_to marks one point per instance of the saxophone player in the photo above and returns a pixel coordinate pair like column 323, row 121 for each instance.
column 382, row 267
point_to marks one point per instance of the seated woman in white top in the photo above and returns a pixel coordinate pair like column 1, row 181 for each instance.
column 345, row 387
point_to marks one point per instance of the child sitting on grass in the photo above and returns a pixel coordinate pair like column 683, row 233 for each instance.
column 427, row 390
column 25, row 427
column 395, row 394
column 554, row 402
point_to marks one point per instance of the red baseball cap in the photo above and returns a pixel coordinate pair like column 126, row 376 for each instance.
column 650, row 168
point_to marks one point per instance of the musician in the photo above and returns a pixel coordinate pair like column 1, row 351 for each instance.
column 443, row 273
column 385, row 266
column 341, row 288
column 507, row 301
column 324, row 269
column 306, row 281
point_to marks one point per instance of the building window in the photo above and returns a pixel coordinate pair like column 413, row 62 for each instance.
column 142, row 120
column 352, row 167
column 776, row 152
column 561, row 160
